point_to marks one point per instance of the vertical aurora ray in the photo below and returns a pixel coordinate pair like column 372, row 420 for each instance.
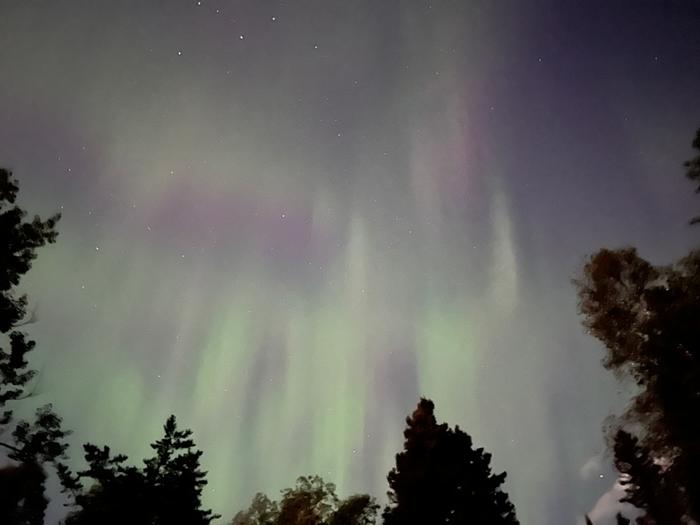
column 289, row 310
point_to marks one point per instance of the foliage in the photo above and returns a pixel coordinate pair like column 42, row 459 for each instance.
column 167, row 490
column 693, row 170
column 359, row 509
column 311, row 501
column 262, row 511
column 440, row 478
column 647, row 318
column 41, row 441
column 20, row 241
column 647, row 483
column 22, row 499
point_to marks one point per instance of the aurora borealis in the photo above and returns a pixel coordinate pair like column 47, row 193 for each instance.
column 285, row 221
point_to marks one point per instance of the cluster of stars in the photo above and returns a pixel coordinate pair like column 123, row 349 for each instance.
column 240, row 36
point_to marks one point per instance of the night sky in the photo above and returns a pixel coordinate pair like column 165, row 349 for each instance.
column 285, row 221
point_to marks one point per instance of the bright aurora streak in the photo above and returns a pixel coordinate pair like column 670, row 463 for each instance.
column 285, row 221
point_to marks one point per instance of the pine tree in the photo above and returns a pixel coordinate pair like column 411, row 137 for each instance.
column 22, row 499
column 167, row 490
column 20, row 241
column 176, row 475
column 440, row 478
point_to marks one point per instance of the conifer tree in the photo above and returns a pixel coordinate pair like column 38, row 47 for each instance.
column 20, row 242
column 440, row 478
column 167, row 490
column 22, row 499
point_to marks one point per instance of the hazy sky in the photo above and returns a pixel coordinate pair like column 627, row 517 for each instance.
column 285, row 221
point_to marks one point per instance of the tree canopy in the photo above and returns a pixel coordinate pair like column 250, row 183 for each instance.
column 647, row 318
column 693, row 170
column 312, row 501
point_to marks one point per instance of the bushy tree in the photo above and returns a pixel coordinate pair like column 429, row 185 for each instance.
column 440, row 478
column 22, row 499
column 648, row 484
column 262, row 511
column 312, row 501
column 359, row 509
column 167, row 490
column 693, row 170
column 647, row 318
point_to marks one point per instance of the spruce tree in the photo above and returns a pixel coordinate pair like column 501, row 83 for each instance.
column 440, row 478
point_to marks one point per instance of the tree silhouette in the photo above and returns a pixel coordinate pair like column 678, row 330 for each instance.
column 440, row 478
column 693, row 170
column 262, row 511
column 167, row 490
column 22, row 499
column 20, row 241
column 312, row 501
column 647, row 484
column 360, row 509
column 647, row 318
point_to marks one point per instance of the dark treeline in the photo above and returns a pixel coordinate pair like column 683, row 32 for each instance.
column 646, row 316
